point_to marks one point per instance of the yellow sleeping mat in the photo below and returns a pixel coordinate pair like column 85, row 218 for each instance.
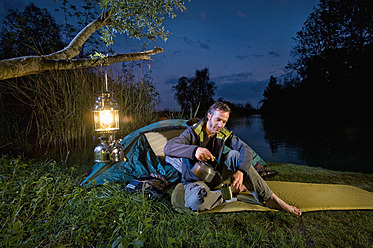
column 305, row 196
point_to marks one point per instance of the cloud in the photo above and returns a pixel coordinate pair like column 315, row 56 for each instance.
column 199, row 43
column 239, row 87
column 242, row 91
column 257, row 55
column 204, row 45
column 172, row 80
column 242, row 56
column 240, row 14
column 188, row 40
column 202, row 16
column 234, row 77
column 274, row 54
column 176, row 52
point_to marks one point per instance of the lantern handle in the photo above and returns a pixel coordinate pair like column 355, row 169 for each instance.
column 106, row 88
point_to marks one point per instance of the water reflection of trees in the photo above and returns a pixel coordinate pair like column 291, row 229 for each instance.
column 239, row 122
column 321, row 144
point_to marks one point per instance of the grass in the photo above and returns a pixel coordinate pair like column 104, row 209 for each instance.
column 307, row 174
column 50, row 114
column 42, row 205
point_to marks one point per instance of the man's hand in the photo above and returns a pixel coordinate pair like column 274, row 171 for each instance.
column 237, row 180
column 203, row 154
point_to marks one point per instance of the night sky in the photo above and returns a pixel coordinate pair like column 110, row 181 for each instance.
column 242, row 42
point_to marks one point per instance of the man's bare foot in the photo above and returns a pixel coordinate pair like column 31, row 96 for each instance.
column 275, row 202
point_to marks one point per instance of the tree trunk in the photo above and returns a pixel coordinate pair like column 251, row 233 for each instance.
column 23, row 66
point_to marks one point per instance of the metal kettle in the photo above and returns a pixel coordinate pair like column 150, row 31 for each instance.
column 204, row 171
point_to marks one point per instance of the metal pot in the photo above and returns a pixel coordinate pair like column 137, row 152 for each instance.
column 203, row 171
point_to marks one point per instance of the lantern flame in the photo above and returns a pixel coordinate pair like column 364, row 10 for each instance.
column 106, row 116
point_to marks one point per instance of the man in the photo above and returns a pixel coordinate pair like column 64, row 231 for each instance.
column 208, row 140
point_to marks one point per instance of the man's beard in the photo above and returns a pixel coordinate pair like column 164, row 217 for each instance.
column 213, row 129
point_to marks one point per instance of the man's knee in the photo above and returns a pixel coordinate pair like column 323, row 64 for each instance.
column 233, row 155
column 231, row 161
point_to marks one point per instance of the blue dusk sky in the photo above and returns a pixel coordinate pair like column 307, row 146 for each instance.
column 242, row 42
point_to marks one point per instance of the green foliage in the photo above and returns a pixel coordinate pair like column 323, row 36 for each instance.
column 137, row 18
column 42, row 205
column 98, row 56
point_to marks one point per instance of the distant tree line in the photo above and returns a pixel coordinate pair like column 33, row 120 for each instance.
column 333, row 61
column 196, row 94
column 240, row 109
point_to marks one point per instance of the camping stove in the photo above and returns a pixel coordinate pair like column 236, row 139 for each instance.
column 109, row 149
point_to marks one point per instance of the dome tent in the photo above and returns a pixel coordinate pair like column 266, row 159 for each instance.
column 143, row 152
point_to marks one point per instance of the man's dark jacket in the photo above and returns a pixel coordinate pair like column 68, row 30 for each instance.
column 186, row 144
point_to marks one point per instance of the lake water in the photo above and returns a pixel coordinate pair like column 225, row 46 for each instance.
column 305, row 145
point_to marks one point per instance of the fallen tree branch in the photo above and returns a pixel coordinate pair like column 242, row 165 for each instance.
column 23, row 66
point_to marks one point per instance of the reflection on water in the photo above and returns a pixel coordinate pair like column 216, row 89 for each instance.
column 314, row 145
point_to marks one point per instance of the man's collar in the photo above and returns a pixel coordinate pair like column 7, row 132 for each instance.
column 198, row 129
column 204, row 129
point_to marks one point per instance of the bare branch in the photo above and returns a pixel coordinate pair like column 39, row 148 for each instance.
column 73, row 49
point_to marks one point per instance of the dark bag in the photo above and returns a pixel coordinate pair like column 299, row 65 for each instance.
column 151, row 185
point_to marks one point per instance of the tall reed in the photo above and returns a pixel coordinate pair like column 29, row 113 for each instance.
column 51, row 113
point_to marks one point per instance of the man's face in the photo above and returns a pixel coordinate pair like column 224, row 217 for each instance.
column 217, row 121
